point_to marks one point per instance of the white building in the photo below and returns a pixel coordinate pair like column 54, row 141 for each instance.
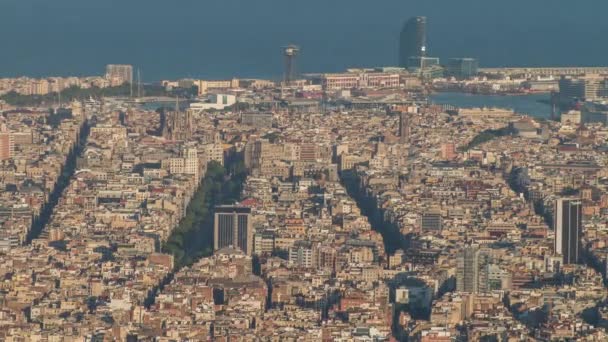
column 187, row 163
column 214, row 101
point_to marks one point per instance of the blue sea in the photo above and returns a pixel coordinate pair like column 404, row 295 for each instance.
column 243, row 38
column 535, row 105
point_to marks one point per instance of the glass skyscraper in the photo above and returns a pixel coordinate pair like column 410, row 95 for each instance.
column 568, row 225
column 412, row 42
column 233, row 228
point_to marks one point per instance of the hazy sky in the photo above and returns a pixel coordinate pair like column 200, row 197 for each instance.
column 221, row 38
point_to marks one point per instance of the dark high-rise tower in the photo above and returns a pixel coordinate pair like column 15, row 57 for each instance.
column 404, row 127
column 290, row 52
column 233, row 227
column 412, row 42
column 568, row 228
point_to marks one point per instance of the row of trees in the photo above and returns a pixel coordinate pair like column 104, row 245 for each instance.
column 193, row 238
column 62, row 182
column 74, row 92
column 488, row 135
column 391, row 235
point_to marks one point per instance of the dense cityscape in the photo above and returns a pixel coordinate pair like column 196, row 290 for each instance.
column 319, row 207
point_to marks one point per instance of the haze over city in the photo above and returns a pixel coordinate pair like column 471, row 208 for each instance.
column 346, row 171
column 220, row 39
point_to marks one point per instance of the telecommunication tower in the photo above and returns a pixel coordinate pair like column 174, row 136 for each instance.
column 290, row 52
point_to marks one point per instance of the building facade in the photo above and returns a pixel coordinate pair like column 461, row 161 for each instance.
column 568, row 227
column 467, row 272
column 412, row 42
column 358, row 80
column 178, row 125
column 589, row 87
column 119, row 74
column 404, row 127
column 462, row 68
column 260, row 120
column 233, row 227
column 7, row 144
column 431, row 221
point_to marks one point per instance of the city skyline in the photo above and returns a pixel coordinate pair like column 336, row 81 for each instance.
column 547, row 42
column 422, row 199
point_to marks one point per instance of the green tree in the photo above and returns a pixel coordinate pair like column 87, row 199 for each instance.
column 193, row 237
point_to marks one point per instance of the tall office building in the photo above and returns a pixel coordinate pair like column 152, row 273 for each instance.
column 233, row 227
column 290, row 52
column 7, row 143
column 467, row 271
column 412, row 42
column 568, row 226
column 404, row 127
column 119, row 74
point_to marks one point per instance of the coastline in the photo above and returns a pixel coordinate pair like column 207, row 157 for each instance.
column 535, row 105
column 508, row 93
